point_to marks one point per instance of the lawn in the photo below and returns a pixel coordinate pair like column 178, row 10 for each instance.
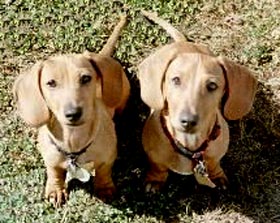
column 247, row 32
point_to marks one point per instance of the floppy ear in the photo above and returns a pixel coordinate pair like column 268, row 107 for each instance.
column 152, row 70
column 151, row 75
column 110, row 72
column 29, row 100
column 240, row 89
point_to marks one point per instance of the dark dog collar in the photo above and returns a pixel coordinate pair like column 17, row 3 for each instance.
column 192, row 155
column 70, row 155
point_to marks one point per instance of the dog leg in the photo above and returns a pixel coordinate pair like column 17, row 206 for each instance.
column 56, row 191
column 155, row 178
column 216, row 173
column 103, row 183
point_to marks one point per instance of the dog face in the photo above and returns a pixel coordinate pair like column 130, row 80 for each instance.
column 181, row 73
column 193, row 88
column 68, row 85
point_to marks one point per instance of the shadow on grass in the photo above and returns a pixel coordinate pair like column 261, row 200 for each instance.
column 251, row 165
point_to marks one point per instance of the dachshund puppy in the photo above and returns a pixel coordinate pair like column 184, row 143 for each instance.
column 191, row 94
column 72, row 99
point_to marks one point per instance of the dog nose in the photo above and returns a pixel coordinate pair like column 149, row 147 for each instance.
column 73, row 114
column 188, row 120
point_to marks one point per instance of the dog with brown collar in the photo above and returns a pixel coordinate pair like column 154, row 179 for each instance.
column 191, row 93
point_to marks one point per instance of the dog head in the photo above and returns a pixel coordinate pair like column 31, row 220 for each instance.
column 192, row 84
column 66, row 86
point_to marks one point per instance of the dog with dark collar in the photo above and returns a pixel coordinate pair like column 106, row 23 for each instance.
column 191, row 94
column 72, row 99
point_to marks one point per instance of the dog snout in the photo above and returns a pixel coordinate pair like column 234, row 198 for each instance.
column 73, row 114
column 188, row 121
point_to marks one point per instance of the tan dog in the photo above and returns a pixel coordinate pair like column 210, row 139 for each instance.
column 72, row 100
column 191, row 92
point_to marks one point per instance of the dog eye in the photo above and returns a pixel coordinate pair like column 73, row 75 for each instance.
column 85, row 79
column 211, row 86
column 176, row 81
column 51, row 83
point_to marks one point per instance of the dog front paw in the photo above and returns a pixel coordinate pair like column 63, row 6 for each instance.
column 153, row 186
column 221, row 181
column 56, row 196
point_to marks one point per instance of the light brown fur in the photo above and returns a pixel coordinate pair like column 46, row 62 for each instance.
column 97, row 84
column 174, row 82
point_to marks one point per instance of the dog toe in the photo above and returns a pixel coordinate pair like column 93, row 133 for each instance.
column 57, row 197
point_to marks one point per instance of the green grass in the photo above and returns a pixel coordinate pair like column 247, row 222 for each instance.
column 245, row 31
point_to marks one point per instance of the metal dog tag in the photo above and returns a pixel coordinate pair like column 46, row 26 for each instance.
column 76, row 172
column 201, row 175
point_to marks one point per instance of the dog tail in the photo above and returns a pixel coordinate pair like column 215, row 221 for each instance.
column 109, row 47
column 172, row 31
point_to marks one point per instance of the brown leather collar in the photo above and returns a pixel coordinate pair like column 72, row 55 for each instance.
column 192, row 155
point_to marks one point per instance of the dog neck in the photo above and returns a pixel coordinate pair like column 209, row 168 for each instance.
column 72, row 139
column 191, row 141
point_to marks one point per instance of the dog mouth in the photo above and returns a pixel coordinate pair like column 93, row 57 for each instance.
column 75, row 124
column 188, row 130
